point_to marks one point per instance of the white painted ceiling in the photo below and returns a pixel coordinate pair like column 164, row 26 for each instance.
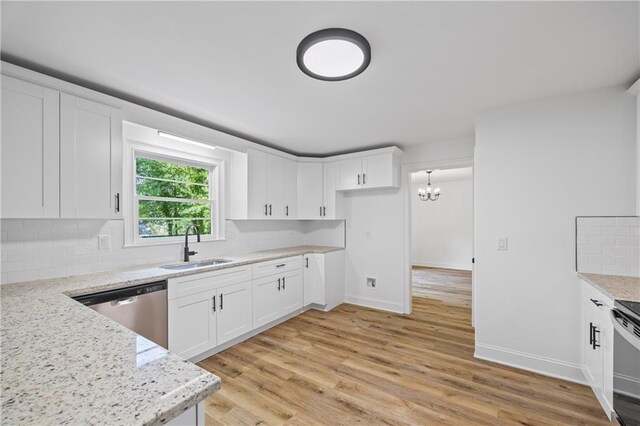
column 442, row 175
column 232, row 65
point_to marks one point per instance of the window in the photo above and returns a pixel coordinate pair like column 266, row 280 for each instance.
column 170, row 196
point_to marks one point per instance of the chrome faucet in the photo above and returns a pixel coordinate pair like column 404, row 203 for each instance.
column 188, row 253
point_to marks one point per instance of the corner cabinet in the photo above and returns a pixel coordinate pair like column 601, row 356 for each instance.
column 90, row 159
column 597, row 345
column 324, row 283
column 316, row 191
column 61, row 155
column 375, row 169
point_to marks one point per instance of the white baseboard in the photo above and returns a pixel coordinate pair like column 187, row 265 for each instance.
column 374, row 303
column 427, row 264
column 537, row 364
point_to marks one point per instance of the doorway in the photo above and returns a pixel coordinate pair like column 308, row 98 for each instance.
column 441, row 235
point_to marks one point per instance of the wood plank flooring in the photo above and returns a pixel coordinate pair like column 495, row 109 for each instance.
column 447, row 285
column 356, row 365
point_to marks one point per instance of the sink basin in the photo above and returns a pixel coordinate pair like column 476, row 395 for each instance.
column 193, row 265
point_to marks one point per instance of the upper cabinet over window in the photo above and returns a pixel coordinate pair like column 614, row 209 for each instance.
column 30, row 150
column 90, row 159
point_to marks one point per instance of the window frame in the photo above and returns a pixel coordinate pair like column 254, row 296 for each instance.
column 185, row 154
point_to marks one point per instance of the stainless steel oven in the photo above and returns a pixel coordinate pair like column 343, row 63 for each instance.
column 626, row 362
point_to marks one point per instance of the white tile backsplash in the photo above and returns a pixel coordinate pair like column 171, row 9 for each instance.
column 608, row 245
column 37, row 249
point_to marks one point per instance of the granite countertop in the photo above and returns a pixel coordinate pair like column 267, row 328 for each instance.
column 615, row 286
column 65, row 363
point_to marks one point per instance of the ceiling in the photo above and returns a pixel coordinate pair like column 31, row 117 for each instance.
column 232, row 65
column 442, row 175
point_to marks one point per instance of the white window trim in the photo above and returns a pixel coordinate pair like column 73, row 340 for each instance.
column 186, row 154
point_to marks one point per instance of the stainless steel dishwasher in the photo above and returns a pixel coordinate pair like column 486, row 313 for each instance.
column 142, row 309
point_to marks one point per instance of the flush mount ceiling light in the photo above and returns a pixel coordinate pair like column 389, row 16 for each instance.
column 334, row 54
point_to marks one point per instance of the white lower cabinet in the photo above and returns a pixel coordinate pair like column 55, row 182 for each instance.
column 194, row 416
column 324, row 279
column 597, row 345
column 192, row 323
column 208, row 309
column 279, row 293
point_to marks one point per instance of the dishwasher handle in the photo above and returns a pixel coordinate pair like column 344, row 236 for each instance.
column 125, row 301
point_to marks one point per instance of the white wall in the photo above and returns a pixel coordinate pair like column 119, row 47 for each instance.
column 439, row 151
column 537, row 167
column 375, row 241
column 442, row 230
column 38, row 249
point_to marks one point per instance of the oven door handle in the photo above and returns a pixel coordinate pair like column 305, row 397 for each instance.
column 624, row 331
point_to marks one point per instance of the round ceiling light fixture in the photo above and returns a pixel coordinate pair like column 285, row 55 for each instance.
column 334, row 54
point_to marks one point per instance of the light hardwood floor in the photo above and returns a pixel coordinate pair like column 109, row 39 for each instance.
column 447, row 285
column 358, row 365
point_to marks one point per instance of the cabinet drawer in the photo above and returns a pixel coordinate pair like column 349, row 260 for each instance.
column 278, row 266
column 591, row 294
column 196, row 283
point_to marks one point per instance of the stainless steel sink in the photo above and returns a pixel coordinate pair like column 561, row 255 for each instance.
column 193, row 265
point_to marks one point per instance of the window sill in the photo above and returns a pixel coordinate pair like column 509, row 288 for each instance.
column 174, row 242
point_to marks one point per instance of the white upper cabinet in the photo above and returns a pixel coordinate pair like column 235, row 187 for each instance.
column 329, row 191
column 90, row 159
column 263, row 186
column 30, row 150
column 290, row 189
column 310, row 190
column 316, row 191
column 369, row 170
column 349, row 173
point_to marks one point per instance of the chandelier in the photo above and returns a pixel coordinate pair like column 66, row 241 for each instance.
column 428, row 194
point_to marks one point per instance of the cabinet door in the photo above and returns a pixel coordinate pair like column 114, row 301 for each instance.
column 88, row 136
column 192, row 324
column 329, row 191
column 349, row 174
column 291, row 297
column 266, row 307
column 30, row 156
column 234, row 311
column 377, row 171
column 290, row 189
column 593, row 360
column 310, row 188
column 257, row 203
column 275, row 189
column 313, row 279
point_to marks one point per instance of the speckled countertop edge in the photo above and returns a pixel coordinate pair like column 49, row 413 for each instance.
column 103, row 281
column 43, row 330
column 615, row 286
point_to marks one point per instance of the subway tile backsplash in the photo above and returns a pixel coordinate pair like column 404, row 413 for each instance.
column 608, row 245
column 39, row 248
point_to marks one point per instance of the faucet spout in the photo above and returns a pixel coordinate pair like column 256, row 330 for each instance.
column 188, row 253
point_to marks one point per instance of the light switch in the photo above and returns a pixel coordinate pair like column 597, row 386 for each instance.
column 503, row 243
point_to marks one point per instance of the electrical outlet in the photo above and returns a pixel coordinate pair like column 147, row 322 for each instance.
column 503, row 243
column 371, row 282
column 104, row 242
